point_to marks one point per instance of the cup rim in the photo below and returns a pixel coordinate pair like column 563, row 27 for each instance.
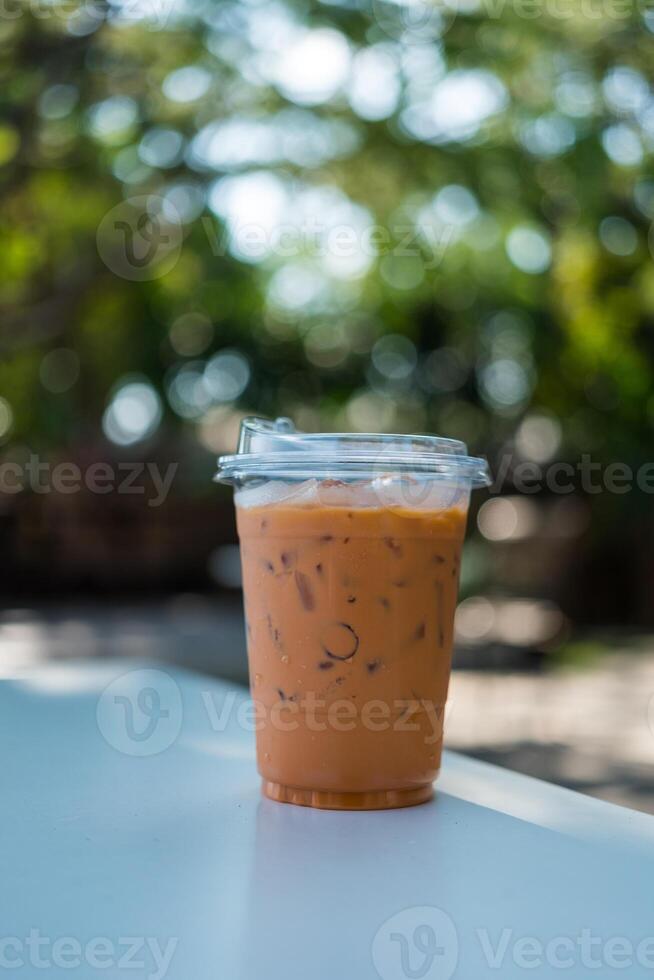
column 276, row 450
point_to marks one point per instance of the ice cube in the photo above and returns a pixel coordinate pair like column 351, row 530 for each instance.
column 419, row 492
column 276, row 492
column 389, row 490
column 355, row 494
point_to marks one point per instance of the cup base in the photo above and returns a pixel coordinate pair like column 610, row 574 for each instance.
column 320, row 799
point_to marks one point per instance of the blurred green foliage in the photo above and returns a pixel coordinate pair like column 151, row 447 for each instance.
column 500, row 153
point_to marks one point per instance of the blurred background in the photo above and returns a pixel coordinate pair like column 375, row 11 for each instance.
column 367, row 215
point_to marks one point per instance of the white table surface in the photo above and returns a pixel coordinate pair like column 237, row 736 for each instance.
column 176, row 852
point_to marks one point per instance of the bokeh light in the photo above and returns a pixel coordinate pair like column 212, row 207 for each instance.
column 226, row 375
column 394, row 357
column 623, row 145
column 161, row 147
column 508, row 518
column 59, row 369
column 460, row 103
column 57, row 101
column 529, row 249
column 190, row 334
column 313, row 67
column 505, row 384
column 539, row 437
column 133, row 414
column 618, row 235
column 374, row 87
column 112, row 121
column 187, row 84
column 6, row 418
column 187, row 391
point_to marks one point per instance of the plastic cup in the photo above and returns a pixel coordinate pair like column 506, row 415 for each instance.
column 350, row 549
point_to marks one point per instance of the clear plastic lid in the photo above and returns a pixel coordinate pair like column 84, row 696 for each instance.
column 276, row 450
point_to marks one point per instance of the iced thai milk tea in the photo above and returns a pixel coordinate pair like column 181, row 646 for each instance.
column 349, row 617
column 349, row 591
